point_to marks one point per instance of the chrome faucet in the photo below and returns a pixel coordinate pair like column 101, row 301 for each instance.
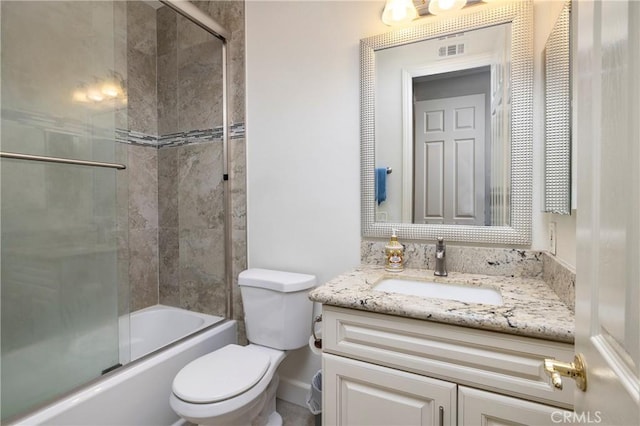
column 441, row 260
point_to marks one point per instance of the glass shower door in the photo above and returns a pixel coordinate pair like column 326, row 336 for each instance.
column 63, row 270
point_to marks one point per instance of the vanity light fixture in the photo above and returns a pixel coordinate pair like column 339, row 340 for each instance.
column 398, row 12
column 444, row 7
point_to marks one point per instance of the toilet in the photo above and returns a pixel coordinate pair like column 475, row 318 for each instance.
column 236, row 385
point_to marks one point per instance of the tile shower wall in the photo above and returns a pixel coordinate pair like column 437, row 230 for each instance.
column 231, row 14
column 143, row 226
column 192, row 227
column 142, row 115
column 176, row 195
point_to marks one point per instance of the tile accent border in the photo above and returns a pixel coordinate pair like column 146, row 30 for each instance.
column 236, row 131
column 51, row 123
column 131, row 137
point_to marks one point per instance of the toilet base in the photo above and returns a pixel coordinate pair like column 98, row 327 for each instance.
column 261, row 411
column 275, row 419
column 268, row 416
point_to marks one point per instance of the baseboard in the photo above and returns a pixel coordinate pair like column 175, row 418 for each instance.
column 293, row 391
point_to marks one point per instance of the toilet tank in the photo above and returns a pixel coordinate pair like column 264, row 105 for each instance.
column 277, row 311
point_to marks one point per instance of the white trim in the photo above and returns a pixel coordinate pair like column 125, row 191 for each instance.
column 293, row 391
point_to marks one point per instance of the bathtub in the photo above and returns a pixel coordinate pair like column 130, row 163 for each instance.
column 138, row 393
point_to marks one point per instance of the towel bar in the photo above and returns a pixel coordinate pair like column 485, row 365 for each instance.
column 16, row 156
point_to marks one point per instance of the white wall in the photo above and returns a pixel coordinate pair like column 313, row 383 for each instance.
column 303, row 143
column 303, row 158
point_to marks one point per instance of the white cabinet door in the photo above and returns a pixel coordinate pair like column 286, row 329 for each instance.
column 477, row 407
column 357, row 393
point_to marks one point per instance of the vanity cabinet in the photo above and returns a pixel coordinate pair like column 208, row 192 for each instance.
column 368, row 394
column 380, row 370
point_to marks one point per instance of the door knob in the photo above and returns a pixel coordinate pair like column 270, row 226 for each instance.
column 576, row 370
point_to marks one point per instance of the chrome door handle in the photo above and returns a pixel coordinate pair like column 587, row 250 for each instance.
column 576, row 370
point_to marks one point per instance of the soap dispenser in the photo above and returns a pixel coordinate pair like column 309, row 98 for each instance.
column 394, row 255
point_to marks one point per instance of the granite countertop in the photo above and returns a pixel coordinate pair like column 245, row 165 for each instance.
column 530, row 307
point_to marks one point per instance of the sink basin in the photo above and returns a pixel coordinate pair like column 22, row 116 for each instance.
column 461, row 293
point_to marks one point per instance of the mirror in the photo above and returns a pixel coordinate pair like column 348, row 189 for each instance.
column 402, row 72
column 451, row 163
column 557, row 120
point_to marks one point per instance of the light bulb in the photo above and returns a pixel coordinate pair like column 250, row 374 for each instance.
column 443, row 7
column 399, row 12
column 446, row 4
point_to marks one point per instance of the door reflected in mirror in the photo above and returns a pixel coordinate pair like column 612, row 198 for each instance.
column 443, row 126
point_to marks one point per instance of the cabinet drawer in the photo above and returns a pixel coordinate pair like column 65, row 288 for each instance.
column 498, row 362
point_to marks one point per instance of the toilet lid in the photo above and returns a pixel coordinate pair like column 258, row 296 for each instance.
column 220, row 375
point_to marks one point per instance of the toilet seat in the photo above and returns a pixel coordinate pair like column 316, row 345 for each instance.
column 220, row 375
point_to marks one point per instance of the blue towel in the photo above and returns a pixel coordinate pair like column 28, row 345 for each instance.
column 381, row 184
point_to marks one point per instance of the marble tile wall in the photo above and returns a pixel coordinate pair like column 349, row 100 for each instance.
column 199, row 100
column 141, row 68
column 191, row 212
column 238, row 187
column 189, row 76
column 167, row 35
column 230, row 14
column 141, row 42
column 176, row 216
column 143, row 226
column 169, row 285
column 191, row 215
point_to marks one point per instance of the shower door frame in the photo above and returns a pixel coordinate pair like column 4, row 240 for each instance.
column 198, row 17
